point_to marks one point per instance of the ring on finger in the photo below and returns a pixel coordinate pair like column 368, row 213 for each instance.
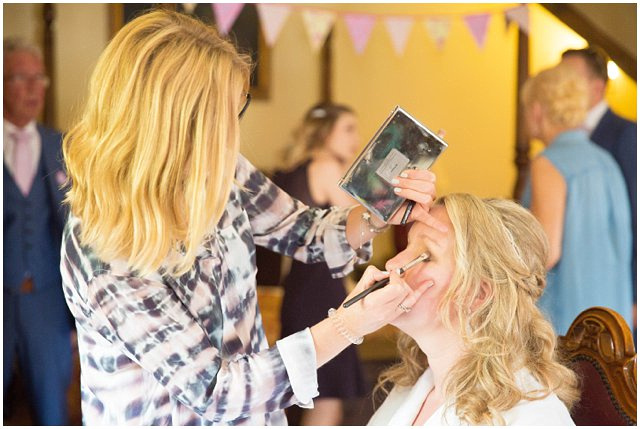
column 404, row 308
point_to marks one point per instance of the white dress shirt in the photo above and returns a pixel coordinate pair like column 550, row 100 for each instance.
column 403, row 404
column 8, row 143
column 594, row 115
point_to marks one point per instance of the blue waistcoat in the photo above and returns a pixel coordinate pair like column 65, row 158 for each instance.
column 33, row 224
column 29, row 245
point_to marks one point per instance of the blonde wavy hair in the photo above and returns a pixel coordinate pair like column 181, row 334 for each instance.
column 563, row 94
column 152, row 159
column 312, row 132
column 501, row 244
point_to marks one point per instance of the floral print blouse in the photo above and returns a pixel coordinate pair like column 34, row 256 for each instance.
column 191, row 350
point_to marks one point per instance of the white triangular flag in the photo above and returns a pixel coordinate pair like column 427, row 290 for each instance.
column 399, row 28
column 519, row 15
column 318, row 24
column 438, row 29
column 189, row 7
column 272, row 18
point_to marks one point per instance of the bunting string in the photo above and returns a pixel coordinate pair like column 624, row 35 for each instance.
column 319, row 22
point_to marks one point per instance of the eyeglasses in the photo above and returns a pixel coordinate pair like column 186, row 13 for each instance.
column 246, row 104
column 23, row 79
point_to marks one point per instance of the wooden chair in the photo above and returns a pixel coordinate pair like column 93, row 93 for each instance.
column 599, row 346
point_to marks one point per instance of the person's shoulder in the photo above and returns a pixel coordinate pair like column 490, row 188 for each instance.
column 543, row 409
column 389, row 406
column 327, row 170
column 549, row 410
column 326, row 166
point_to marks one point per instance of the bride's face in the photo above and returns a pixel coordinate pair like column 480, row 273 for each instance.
column 438, row 270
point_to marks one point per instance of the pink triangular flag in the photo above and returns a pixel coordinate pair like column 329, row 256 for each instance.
column 360, row 27
column 399, row 28
column 478, row 25
column 318, row 24
column 519, row 15
column 226, row 15
column 272, row 18
column 438, row 29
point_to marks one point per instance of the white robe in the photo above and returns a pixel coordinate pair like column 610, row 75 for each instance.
column 403, row 404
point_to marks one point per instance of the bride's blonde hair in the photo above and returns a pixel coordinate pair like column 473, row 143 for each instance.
column 152, row 159
column 500, row 243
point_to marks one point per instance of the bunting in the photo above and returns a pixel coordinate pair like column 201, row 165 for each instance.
column 478, row 25
column 438, row 29
column 189, row 7
column 226, row 15
column 399, row 28
column 272, row 18
column 318, row 24
column 359, row 27
column 519, row 15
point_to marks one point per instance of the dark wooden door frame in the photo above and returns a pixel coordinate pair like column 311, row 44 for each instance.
column 522, row 140
column 48, row 43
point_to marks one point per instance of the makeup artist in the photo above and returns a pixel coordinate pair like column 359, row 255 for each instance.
column 158, row 255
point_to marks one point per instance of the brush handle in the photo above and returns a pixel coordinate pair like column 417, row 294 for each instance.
column 377, row 285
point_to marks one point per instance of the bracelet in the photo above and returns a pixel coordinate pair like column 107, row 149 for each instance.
column 366, row 217
column 339, row 324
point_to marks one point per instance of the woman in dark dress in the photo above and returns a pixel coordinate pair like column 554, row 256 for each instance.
column 323, row 147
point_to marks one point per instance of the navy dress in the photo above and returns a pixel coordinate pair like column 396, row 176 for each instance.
column 309, row 292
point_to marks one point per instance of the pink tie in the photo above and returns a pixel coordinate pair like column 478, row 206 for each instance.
column 23, row 162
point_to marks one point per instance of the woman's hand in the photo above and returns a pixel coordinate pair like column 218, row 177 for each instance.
column 381, row 307
column 371, row 313
column 418, row 186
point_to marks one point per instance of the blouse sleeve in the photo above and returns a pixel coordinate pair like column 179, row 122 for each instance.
column 287, row 226
column 153, row 328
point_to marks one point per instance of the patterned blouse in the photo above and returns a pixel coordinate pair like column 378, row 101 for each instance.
column 191, row 350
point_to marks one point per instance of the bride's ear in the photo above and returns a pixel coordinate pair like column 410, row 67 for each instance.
column 484, row 294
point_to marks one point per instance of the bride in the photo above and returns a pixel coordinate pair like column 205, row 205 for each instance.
column 475, row 349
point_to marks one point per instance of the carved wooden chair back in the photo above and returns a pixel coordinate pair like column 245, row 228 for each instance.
column 600, row 348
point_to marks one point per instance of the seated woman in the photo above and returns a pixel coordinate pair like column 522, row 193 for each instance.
column 475, row 348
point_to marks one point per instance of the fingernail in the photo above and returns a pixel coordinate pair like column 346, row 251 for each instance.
column 394, row 181
column 404, row 175
column 385, row 272
column 397, row 190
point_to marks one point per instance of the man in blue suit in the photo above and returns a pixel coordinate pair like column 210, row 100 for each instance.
column 612, row 132
column 37, row 324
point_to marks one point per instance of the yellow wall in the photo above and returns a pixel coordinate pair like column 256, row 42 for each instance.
column 295, row 85
column 467, row 91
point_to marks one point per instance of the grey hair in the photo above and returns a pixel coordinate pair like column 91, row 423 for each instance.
column 19, row 44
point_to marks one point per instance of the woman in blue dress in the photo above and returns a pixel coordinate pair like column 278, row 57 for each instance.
column 578, row 193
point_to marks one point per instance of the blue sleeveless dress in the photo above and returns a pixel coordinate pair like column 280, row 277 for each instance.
column 594, row 268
